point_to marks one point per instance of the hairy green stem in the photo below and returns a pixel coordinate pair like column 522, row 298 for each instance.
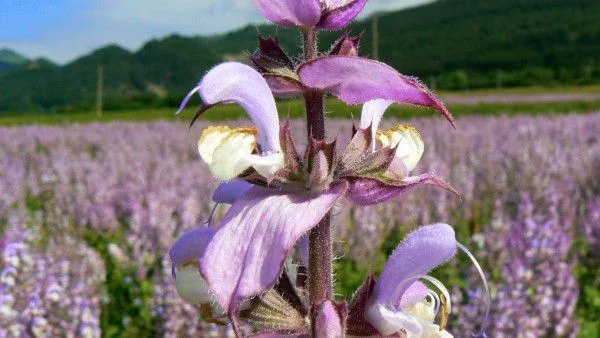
column 320, row 268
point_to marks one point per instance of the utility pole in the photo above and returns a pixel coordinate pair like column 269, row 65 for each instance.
column 375, row 29
column 99, row 92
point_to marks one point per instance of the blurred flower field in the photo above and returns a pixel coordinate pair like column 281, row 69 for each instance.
column 88, row 212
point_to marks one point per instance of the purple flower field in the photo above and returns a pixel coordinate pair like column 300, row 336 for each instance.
column 88, row 213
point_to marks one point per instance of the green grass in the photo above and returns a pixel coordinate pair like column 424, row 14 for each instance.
column 294, row 108
column 16, row 119
column 588, row 89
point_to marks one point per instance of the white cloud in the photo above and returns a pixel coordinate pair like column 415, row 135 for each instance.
column 183, row 16
column 389, row 5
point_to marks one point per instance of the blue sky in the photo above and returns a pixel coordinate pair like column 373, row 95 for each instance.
column 62, row 30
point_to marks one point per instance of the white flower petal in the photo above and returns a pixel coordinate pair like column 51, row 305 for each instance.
column 232, row 156
column 409, row 143
column 388, row 321
column 431, row 330
column 424, row 309
column 210, row 140
column 191, row 286
column 372, row 113
column 267, row 165
column 332, row 4
column 229, row 152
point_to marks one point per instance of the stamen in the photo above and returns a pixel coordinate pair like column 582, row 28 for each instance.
column 444, row 298
column 436, row 300
column 409, row 281
column 445, row 312
column 488, row 299
column 187, row 98
column 441, row 288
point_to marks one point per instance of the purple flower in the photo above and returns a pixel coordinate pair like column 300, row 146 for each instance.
column 327, row 321
column 280, row 71
column 591, row 227
column 357, row 80
column 185, row 255
column 289, row 195
column 307, row 14
column 538, row 293
column 346, row 45
column 258, row 231
column 228, row 152
column 405, row 139
column 263, row 224
column 231, row 152
column 400, row 303
column 399, row 300
column 352, row 79
column 407, row 149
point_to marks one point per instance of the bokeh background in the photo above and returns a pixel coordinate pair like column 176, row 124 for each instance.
column 98, row 177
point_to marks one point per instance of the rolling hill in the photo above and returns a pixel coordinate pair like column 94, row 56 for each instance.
column 451, row 44
column 9, row 59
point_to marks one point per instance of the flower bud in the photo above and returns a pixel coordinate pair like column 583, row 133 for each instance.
column 327, row 321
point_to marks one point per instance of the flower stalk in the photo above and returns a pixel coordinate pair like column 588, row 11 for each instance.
column 320, row 249
column 310, row 44
column 282, row 201
column 320, row 262
column 315, row 116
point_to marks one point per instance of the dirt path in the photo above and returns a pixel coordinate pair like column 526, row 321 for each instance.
column 474, row 98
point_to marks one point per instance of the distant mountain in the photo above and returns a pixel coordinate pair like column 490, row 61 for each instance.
column 174, row 64
column 449, row 43
column 556, row 40
column 9, row 59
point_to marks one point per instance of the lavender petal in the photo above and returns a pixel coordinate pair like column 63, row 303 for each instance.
column 339, row 17
column 421, row 251
column 247, row 253
column 357, row 80
column 229, row 192
column 291, row 13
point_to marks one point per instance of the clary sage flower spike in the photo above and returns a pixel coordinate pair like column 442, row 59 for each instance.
column 266, row 266
column 313, row 184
